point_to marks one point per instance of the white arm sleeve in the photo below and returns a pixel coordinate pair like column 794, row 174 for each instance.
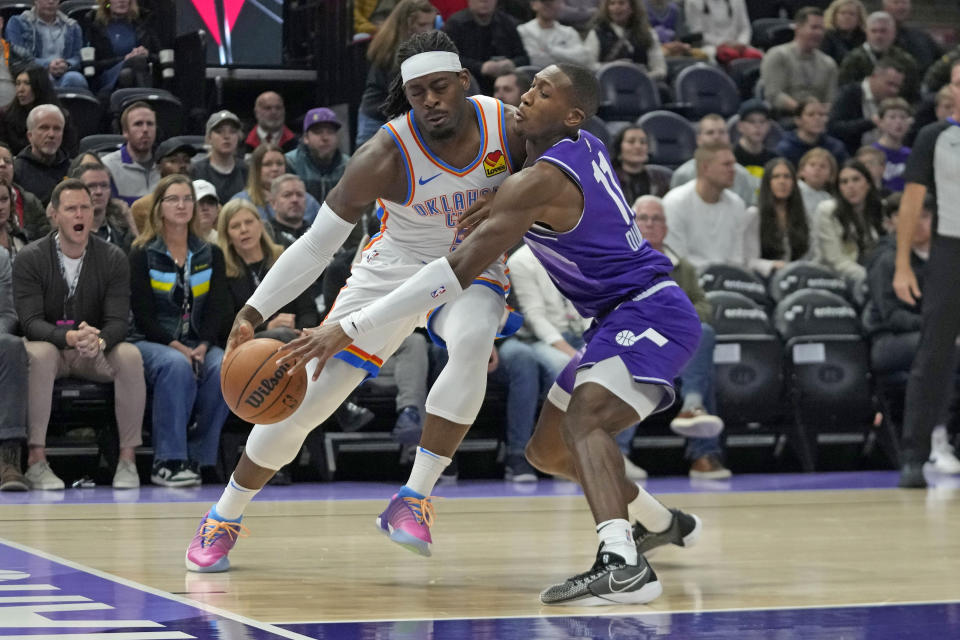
column 302, row 263
column 435, row 284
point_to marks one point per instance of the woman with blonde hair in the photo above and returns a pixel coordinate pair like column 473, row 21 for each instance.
column 248, row 254
column 845, row 22
column 124, row 44
column 181, row 310
column 267, row 162
column 407, row 18
column 817, row 179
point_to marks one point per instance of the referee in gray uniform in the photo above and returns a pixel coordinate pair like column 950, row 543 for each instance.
column 934, row 166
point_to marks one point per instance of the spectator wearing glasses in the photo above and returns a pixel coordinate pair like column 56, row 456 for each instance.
column 96, row 178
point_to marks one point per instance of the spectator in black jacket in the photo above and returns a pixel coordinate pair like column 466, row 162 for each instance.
column 124, row 44
column 33, row 87
column 852, row 116
column 44, row 163
column 72, row 294
column 916, row 42
column 181, row 309
column 13, row 387
column 487, row 40
column 845, row 21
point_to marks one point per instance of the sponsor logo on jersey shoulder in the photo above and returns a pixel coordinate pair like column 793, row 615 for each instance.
column 494, row 163
column 436, row 293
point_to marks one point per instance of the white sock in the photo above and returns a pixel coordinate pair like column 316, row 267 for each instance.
column 649, row 512
column 616, row 536
column 427, row 467
column 234, row 500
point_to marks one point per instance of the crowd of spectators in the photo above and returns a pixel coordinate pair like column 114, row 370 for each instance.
column 127, row 267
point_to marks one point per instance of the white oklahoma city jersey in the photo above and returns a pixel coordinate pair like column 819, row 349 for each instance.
column 422, row 226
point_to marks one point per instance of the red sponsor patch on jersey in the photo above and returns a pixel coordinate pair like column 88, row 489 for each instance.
column 494, row 163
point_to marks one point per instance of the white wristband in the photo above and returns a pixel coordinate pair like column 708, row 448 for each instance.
column 435, row 284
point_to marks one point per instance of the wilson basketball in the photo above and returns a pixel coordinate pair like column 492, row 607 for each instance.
column 256, row 388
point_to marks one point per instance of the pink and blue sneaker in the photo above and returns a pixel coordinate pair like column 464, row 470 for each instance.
column 212, row 542
column 407, row 521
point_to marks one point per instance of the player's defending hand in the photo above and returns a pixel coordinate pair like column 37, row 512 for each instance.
column 472, row 217
column 320, row 342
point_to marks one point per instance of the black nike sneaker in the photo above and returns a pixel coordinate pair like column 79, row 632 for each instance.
column 610, row 581
column 684, row 530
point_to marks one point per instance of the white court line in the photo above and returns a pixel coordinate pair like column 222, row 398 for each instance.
column 642, row 613
column 265, row 626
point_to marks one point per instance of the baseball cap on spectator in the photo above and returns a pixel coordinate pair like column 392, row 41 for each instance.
column 176, row 144
column 320, row 115
column 219, row 117
column 753, row 105
column 204, row 189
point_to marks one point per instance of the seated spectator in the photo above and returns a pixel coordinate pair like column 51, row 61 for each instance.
column 53, row 40
column 12, row 238
column 124, row 43
column 270, row 113
column 817, row 172
column 917, row 42
column 41, row 165
column 786, row 231
column 666, row 18
column 853, row 117
column 72, row 294
column 487, row 40
column 875, row 161
column 622, row 31
column 547, row 42
column 697, row 377
column 725, row 26
column 798, row 69
column 178, row 330
column 131, row 166
column 33, row 88
column 266, row 164
column 712, row 129
column 845, row 22
column 318, row 159
column 11, row 65
column 811, row 132
column 938, row 75
column 895, row 325
column 630, row 152
column 222, row 168
column 248, row 254
column 944, row 103
column 753, row 124
column 881, row 33
column 27, row 213
column 172, row 157
column 708, row 222
column 894, row 122
column 510, row 86
column 13, row 387
column 288, row 198
column 406, row 19
column 96, row 178
column 849, row 226
column 208, row 211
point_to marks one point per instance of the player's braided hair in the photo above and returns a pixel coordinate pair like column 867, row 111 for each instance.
column 396, row 103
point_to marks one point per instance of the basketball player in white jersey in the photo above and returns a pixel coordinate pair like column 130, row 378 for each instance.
column 441, row 152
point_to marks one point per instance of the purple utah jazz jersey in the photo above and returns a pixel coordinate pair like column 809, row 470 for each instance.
column 604, row 259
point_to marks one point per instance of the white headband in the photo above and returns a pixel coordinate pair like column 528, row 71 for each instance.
column 429, row 62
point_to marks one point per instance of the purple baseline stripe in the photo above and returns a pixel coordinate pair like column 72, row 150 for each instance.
column 45, row 596
column 889, row 622
column 476, row 488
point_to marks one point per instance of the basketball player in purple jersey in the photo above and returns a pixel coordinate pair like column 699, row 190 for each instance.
column 440, row 153
column 568, row 207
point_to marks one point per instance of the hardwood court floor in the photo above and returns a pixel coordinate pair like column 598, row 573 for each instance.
column 324, row 560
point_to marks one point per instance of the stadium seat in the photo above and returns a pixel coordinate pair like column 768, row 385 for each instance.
column 745, row 73
column 828, row 368
column 770, row 142
column 101, row 143
column 82, row 11
column 9, row 8
column 626, row 91
column 598, row 127
column 730, row 277
column 675, row 65
column 762, row 31
column 84, row 109
column 705, row 89
column 807, row 275
column 672, row 138
column 167, row 106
